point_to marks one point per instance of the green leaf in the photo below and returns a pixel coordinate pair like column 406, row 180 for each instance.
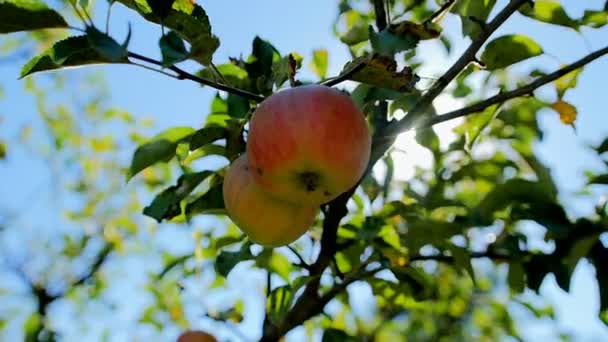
column 599, row 179
column 422, row 232
column 462, row 260
column 172, row 49
column 319, row 62
column 274, row 262
column 166, row 205
column 206, row 136
column 27, row 15
column 31, row 327
column 599, row 255
column 388, row 43
column 528, row 201
column 548, row 11
column 603, row 147
column 516, row 277
column 336, row 335
column 507, row 50
column 229, row 73
column 594, row 19
column 475, row 124
column 427, row 138
column 226, row 261
column 189, row 21
column 2, row 150
column 546, row 311
column 238, row 107
column 263, row 53
column 278, row 303
column 356, row 27
column 281, row 299
column 566, row 82
column 540, row 265
column 356, row 34
column 212, row 202
column 580, row 249
column 203, row 151
column 73, row 51
column 106, row 46
column 478, row 9
column 161, row 148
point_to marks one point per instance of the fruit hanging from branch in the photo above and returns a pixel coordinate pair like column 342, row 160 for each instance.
column 308, row 144
column 196, row 336
column 265, row 219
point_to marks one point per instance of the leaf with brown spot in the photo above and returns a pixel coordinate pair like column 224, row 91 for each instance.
column 424, row 31
column 382, row 72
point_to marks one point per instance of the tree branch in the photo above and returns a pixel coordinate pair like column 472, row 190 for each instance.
column 381, row 18
column 508, row 95
column 99, row 260
column 182, row 74
column 467, row 57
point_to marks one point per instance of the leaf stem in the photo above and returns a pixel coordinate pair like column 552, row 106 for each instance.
column 345, row 76
column 154, row 69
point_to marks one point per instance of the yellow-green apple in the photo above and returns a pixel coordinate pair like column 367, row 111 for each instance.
column 308, row 144
column 196, row 336
column 265, row 219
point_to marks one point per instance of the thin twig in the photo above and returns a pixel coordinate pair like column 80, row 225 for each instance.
column 303, row 262
column 440, row 11
column 345, row 75
column 73, row 4
column 174, row 263
column 508, row 95
column 108, row 13
column 99, row 260
column 86, row 14
column 184, row 75
column 155, row 70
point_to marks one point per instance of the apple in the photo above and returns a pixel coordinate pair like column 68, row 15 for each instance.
column 308, row 144
column 265, row 219
column 196, row 336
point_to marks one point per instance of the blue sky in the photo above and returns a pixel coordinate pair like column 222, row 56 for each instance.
column 302, row 26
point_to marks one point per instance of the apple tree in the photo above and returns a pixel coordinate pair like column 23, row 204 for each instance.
column 443, row 255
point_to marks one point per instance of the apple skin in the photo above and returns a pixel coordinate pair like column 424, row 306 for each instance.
column 265, row 219
column 308, row 144
column 196, row 336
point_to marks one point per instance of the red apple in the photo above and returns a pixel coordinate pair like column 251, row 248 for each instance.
column 196, row 336
column 265, row 219
column 308, row 144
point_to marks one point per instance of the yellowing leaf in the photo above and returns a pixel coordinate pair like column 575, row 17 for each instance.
column 567, row 112
column 566, row 82
column 319, row 62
